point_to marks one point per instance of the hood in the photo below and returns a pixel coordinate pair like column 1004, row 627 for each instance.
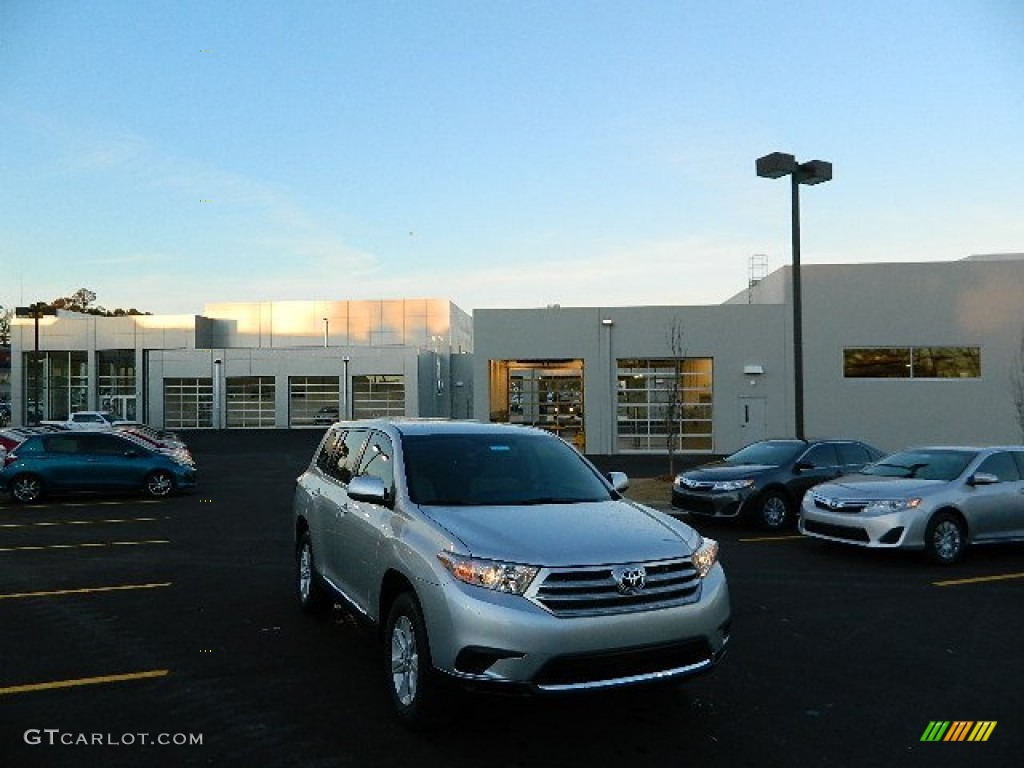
column 559, row 535
column 871, row 487
column 723, row 471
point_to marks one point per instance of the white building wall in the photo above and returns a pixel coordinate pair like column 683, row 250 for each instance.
column 962, row 303
column 734, row 336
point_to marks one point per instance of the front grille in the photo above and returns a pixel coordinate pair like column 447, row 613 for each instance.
column 844, row 532
column 597, row 668
column 847, row 506
column 569, row 592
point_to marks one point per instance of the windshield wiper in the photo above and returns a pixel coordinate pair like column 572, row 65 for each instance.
column 554, row 500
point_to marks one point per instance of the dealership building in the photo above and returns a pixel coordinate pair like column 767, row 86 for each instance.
column 893, row 354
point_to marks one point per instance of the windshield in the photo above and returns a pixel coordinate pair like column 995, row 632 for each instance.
column 922, row 464
column 491, row 469
column 771, row 452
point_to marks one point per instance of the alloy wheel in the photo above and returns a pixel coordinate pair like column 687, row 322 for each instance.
column 405, row 663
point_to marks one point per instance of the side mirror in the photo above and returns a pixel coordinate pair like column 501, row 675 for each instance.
column 619, row 481
column 802, row 466
column 368, row 489
column 982, row 478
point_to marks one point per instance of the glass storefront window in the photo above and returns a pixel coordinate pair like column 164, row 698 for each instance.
column 912, row 363
column 56, row 384
column 378, row 396
column 540, row 393
column 188, row 403
column 115, row 378
column 250, row 401
column 313, row 400
column 662, row 399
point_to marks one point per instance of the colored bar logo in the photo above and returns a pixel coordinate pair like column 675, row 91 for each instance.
column 958, row 730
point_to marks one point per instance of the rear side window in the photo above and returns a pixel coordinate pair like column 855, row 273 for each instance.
column 853, row 454
column 63, row 444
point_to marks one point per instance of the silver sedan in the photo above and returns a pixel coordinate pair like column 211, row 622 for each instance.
column 939, row 499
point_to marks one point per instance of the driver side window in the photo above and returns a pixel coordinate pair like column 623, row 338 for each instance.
column 1002, row 466
column 378, row 461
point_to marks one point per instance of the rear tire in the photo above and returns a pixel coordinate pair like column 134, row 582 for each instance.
column 26, row 489
column 945, row 539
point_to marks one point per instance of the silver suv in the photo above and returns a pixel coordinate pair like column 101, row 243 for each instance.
column 497, row 556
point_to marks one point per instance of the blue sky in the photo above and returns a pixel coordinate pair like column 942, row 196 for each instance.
column 501, row 154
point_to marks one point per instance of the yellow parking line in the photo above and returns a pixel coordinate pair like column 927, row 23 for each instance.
column 978, row 580
column 36, row 548
column 84, row 681
column 46, row 524
column 771, row 538
column 84, row 591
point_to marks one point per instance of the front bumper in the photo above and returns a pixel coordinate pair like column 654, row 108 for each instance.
column 496, row 641
column 717, row 504
column 893, row 531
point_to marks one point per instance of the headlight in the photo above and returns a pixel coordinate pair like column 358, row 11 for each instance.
column 490, row 574
column 887, row 506
column 732, row 485
column 705, row 556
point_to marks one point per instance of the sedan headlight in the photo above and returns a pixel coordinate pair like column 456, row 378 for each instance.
column 490, row 574
column 705, row 556
column 887, row 506
column 732, row 485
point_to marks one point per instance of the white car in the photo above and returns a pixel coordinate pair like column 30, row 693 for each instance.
column 939, row 499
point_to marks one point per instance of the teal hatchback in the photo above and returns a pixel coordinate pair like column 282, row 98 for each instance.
column 90, row 461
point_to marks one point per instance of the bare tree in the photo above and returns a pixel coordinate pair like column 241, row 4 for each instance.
column 676, row 337
column 1017, row 382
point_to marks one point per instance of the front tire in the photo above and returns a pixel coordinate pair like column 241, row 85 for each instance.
column 27, row 489
column 312, row 598
column 774, row 511
column 159, row 483
column 409, row 670
column 945, row 539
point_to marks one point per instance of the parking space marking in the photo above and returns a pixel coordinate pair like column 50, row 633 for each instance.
column 84, row 590
column 978, row 580
column 101, row 503
column 51, row 523
column 84, row 681
column 38, row 547
column 755, row 539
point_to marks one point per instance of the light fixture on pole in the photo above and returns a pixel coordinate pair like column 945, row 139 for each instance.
column 774, row 166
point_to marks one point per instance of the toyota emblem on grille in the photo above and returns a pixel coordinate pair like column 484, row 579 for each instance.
column 631, row 579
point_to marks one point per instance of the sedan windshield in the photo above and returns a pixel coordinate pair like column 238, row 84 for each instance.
column 772, row 453
column 923, row 464
column 498, row 469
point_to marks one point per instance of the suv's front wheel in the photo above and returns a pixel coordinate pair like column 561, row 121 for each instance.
column 312, row 598
column 409, row 671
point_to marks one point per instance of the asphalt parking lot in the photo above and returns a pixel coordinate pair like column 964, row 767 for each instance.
column 139, row 632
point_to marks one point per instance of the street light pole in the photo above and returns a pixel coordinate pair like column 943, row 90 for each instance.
column 774, row 166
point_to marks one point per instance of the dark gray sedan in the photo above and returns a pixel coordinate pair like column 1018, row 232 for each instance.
column 765, row 481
